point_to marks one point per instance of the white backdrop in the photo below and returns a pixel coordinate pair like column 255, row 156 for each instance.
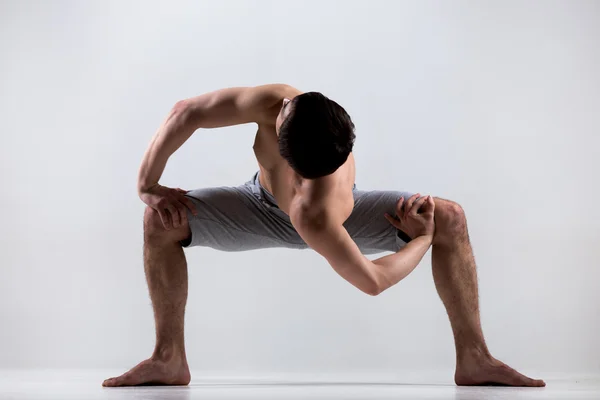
column 495, row 106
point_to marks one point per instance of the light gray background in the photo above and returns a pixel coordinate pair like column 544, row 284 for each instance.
column 492, row 104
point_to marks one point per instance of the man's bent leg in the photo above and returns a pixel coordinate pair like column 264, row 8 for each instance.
column 229, row 219
column 455, row 277
column 166, row 275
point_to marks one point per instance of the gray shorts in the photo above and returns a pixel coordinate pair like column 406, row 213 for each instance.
column 246, row 217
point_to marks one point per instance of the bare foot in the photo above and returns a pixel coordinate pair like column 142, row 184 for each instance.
column 486, row 370
column 154, row 372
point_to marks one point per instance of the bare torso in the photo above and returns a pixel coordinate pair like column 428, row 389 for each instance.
column 333, row 191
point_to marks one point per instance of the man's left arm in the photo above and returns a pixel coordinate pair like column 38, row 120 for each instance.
column 331, row 240
column 328, row 237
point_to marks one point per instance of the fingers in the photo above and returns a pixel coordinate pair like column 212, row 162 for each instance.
column 410, row 202
column 418, row 204
column 174, row 214
column 173, row 208
column 393, row 221
column 399, row 212
column 178, row 213
column 182, row 214
column 164, row 217
column 189, row 204
column 183, row 204
column 399, row 209
column 428, row 207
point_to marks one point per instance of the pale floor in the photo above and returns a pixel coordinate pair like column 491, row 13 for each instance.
column 71, row 385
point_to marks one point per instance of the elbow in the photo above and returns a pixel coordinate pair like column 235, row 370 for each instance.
column 373, row 290
column 181, row 110
column 180, row 106
column 379, row 281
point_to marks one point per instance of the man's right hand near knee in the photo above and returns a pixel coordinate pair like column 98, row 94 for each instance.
column 171, row 204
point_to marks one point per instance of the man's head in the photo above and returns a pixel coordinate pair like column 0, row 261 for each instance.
column 316, row 134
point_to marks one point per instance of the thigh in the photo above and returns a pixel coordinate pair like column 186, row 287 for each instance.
column 235, row 219
column 367, row 224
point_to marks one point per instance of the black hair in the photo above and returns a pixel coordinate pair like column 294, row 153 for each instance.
column 317, row 135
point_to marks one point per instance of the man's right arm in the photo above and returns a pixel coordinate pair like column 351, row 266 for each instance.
column 224, row 107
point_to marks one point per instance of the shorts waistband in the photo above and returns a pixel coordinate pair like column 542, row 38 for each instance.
column 266, row 195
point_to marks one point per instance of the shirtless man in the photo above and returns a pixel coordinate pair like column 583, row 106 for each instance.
column 302, row 196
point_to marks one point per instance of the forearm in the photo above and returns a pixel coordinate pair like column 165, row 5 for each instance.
column 394, row 267
column 173, row 132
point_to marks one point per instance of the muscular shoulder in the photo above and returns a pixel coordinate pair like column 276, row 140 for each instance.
column 235, row 105
column 274, row 91
column 268, row 99
column 319, row 201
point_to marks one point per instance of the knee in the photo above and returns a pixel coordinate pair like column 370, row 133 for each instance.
column 450, row 220
column 155, row 231
column 153, row 226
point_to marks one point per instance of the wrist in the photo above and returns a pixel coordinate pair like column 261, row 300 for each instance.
column 428, row 237
column 144, row 188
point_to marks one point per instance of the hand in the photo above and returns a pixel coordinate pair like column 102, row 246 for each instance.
column 170, row 204
column 416, row 217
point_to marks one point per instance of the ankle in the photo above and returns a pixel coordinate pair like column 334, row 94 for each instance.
column 469, row 354
column 168, row 353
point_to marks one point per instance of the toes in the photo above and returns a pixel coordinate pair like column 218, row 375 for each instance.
column 533, row 383
column 109, row 382
column 516, row 378
column 142, row 373
column 151, row 372
column 494, row 373
column 128, row 379
column 123, row 380
column 523, row 380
